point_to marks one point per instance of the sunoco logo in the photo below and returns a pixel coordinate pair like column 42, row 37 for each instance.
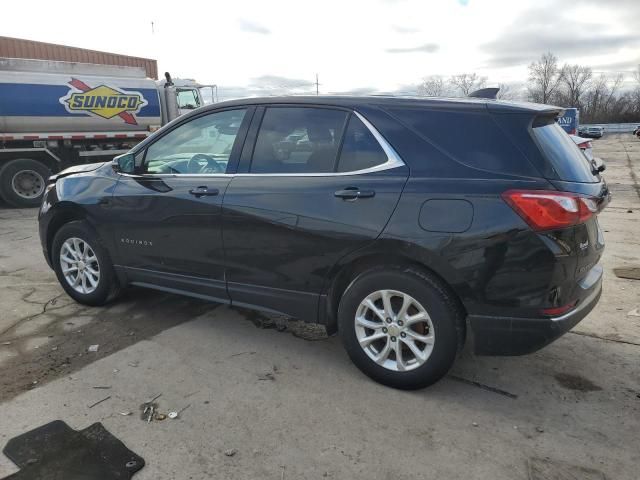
column 103, row 101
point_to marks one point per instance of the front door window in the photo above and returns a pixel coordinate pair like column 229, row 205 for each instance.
column 202, row 145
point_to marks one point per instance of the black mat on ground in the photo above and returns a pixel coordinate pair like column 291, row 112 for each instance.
column 56, row 451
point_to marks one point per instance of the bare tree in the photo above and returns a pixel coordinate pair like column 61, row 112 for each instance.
column 432, row 86
column 575, row 79
column 465, row 83
column 506, row 92
column 615, row 85
column 544, row 78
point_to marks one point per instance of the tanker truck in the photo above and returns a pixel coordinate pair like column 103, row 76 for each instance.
column 57, row 114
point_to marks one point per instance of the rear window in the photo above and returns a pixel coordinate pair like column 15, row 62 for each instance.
column 566, row 159
column 471, row 138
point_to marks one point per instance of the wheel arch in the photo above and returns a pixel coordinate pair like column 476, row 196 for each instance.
column 63, row 214
column 356, row 266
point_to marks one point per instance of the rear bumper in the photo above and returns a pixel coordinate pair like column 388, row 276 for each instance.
column 519, row 336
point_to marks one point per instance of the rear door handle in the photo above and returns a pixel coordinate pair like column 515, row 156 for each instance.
column 351, row 193
column 204, row 191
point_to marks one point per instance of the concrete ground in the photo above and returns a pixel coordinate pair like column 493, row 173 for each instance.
column 286, row 402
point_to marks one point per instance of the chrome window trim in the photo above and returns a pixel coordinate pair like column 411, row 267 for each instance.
column 393, row 161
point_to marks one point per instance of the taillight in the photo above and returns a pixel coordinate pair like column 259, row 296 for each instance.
column 546, row 210
column 555, row 311
column 584, row 145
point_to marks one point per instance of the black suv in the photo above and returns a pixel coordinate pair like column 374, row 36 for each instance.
column 406, row 225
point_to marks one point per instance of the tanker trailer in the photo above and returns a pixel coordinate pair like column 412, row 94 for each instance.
column 57, row 114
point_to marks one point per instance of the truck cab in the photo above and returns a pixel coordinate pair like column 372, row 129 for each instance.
column 178, row 96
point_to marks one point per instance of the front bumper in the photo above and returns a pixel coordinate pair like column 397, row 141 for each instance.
column 519, row 336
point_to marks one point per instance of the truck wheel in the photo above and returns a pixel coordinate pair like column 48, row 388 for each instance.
column 22, row 182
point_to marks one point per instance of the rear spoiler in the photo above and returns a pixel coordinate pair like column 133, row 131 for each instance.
column 491, row 93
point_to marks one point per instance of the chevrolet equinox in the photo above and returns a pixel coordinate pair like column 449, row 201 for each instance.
column 408, row 226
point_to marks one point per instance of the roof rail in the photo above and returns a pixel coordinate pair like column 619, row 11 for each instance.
column 491, row 93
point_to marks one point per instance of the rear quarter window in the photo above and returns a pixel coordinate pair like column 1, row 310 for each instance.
column 471, row 138
column 565, row 158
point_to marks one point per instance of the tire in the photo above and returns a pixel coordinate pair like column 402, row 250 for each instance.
column 23, row 181
column 441, row 328
column 70, row 237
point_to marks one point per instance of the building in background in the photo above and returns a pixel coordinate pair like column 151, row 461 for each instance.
column 20, row 48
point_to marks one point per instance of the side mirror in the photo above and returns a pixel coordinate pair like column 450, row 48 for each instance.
column 125, row 163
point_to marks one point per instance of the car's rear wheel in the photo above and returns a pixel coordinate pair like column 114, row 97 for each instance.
column 400, row 327
column 82, row 264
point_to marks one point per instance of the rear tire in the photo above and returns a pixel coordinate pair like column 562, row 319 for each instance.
column 23, row 181
column 82, row 265
column 410, row 350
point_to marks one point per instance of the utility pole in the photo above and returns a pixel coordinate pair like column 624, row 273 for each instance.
column 317, row 86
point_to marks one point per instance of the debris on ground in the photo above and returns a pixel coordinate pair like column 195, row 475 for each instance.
column 99, row 402
column 546, row 468
column 242, row 353
column 125, row 414
column 93, row 348
column 149, row 409
column 176, row 414
column 576, row 382
column 631, row 273
column 634, row 313
column 231, row 452
column 266, row 376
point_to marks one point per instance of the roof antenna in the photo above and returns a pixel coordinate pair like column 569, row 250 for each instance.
column 491, row 93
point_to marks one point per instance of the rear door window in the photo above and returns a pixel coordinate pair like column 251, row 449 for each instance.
column 298, row 140
column 566, row 159
column 360, row 149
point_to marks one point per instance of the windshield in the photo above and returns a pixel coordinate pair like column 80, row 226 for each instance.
column 565, row 157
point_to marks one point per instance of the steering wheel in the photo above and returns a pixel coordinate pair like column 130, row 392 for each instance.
column 211, row 166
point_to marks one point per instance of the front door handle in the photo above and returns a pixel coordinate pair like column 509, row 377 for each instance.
column 351, row 193
column 204, row 191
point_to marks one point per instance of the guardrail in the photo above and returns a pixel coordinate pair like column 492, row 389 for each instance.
column 614, row 127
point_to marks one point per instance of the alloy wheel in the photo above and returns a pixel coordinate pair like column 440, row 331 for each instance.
column 79, row 265
column 394, row 330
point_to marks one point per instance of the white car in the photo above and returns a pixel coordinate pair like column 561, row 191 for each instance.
column 591, row 132
column 585, row 145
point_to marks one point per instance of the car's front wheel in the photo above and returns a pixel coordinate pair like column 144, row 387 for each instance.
column 82, row 264
column 400, row 327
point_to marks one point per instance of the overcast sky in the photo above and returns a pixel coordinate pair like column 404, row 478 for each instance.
column 274, row 47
